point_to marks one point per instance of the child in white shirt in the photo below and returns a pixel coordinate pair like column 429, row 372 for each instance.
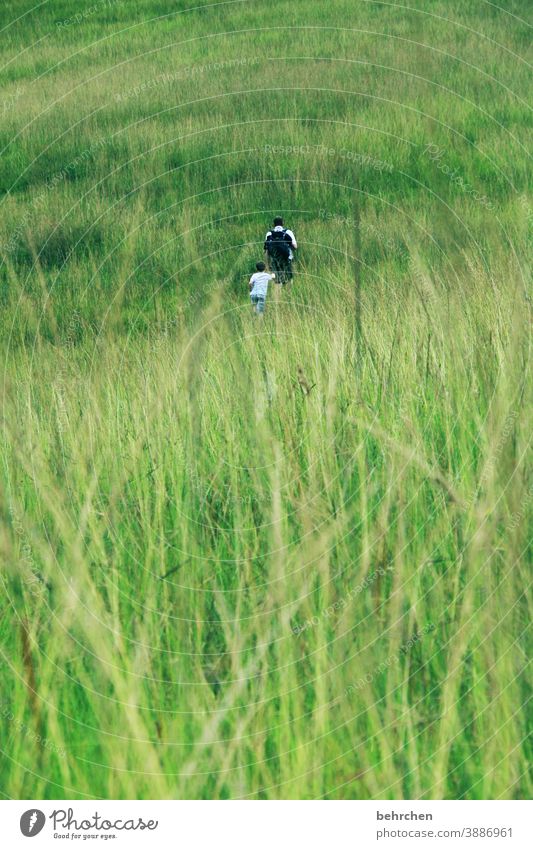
column 259, row 287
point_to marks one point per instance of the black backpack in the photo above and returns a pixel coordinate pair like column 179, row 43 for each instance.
column 278, row 245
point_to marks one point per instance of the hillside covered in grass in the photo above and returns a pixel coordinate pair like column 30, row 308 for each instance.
column 285, row 557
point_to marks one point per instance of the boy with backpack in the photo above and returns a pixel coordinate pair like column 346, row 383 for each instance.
column 280, row 242
column 259, row 287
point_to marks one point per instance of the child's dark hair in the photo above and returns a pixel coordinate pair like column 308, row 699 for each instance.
column 260, row 266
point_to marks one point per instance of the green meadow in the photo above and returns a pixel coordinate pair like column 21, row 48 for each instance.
column 285, row 557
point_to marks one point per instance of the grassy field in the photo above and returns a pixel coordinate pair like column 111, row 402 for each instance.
column 286, row 557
